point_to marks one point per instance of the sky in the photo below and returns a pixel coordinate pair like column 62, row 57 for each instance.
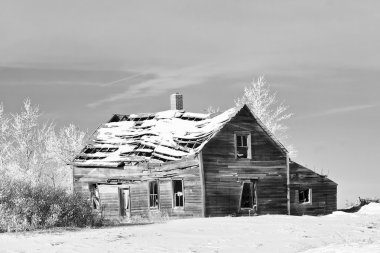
column 82, row 61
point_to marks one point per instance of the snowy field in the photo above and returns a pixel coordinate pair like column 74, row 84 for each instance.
column 338, row 232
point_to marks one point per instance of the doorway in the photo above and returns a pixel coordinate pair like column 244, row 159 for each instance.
column 248, row 197
column 125, row 202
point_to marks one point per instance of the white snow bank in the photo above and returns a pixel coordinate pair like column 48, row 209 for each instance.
column 267, row 233
column 370, row 209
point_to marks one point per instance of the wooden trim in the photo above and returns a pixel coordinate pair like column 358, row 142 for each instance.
column 203, row 185
column 288, row 182
column 235, row 144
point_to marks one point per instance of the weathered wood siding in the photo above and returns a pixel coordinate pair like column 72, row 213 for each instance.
column 137, row 178
column 323, row 192
column 224, row 175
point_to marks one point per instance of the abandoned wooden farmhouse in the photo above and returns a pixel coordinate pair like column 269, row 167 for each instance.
column 194, row 165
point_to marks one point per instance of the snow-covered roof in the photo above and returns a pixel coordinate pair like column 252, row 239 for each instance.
column 155, row 137
column 160, row 137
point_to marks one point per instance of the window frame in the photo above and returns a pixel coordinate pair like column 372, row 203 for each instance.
column 174, row 201
column 157, row 194
column 310, row 195
column 249, row 144
column 253, row 191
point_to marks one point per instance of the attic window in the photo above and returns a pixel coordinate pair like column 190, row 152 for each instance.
column 177, row 193
column 243, row 145
column 304, row 196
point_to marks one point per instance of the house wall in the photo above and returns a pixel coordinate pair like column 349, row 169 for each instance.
column 323, row 192
column 137, row 179
column 224, row 174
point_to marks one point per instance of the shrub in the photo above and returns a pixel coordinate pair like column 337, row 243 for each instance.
column 26, row 207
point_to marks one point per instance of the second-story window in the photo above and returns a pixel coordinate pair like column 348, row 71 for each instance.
column 243, row 145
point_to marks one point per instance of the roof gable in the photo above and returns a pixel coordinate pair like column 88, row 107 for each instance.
column 271, row 136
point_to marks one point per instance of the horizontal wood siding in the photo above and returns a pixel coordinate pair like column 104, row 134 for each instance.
column 224, row 175
column 324, row 192
column 109, row 200
column 137, row 178
column 140, row 199
column 166, row 195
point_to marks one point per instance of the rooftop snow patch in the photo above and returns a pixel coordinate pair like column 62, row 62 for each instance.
column 164, row 136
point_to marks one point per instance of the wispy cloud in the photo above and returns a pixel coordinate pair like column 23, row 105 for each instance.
column 340, row 110
column 10, row 75
column 164, row 81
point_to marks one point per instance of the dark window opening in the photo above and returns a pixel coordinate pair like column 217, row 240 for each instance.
column 247, row 195
column 304, row 196
column 153, row 194
column 125, row 202
column 178, row 193
column 242, row 146
column 95, row 198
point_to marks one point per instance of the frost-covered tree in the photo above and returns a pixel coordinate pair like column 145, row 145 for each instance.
column 4, row 145
column 62, row 147
column 272, row 113
column 69, row 141
column 33, row 151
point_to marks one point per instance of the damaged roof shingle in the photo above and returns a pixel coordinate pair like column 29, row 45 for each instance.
column 161, row 137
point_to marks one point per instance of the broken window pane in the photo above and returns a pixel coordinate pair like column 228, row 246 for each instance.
column 178, row 193
column 153, row 194
column 247, row 196
column 304, row 196
column 242, row 146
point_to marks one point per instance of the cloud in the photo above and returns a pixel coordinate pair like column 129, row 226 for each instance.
column 166, row 80
column 27, row 75
column 340, row 110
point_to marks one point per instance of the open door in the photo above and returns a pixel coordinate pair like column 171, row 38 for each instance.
column 125, row 202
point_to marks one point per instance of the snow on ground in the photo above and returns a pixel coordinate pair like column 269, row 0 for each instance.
column 338, row 232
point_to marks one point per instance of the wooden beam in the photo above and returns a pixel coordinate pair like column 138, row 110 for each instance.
column 288, row 181
column 203, row 185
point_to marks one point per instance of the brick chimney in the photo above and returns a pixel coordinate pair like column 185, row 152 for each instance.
column 176, row 101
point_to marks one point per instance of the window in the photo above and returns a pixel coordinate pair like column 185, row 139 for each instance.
column 243, row 145
column 177, row 193
column 248, row 195
column 153, row 194
column 125, row 202
column 304, row 196
column 95, row 199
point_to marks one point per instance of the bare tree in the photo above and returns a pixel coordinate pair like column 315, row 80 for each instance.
column 264, row 103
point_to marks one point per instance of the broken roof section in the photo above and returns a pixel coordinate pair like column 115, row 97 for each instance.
column 161, row 137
